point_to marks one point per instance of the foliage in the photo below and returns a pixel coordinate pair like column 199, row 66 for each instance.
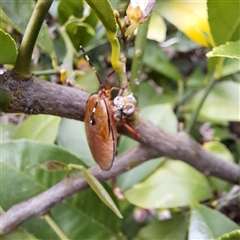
column 176, row 77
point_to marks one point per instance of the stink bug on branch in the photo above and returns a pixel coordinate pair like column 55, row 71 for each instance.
column 101, row 118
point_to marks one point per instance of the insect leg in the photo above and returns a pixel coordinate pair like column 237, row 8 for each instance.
column 93, row 68
column 129, row 128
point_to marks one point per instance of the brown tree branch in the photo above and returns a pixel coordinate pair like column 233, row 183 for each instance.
column 35, row 96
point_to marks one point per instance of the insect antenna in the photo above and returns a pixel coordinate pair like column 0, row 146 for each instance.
column 93, row 68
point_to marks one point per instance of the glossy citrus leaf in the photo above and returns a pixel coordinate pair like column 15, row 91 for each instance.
column 175, row 228
column 190, row 17
column 230, row 236
column 173, row 184
column 206, row 223
column 8, row 51
column 19, row 234
column 17, row 14
column 224, row 21
column 40, row 127
column 84, row 207
column 228, row 50
column 222, row 103
column 156, row 28
column 230, row 66
column 105, row 13
column 222, row 151
column 72, row 137
column 100, row 191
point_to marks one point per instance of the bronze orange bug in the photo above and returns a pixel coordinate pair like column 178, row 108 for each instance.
column 101, row 117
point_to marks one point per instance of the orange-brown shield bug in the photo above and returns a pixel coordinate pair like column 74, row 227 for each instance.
column 101, row 117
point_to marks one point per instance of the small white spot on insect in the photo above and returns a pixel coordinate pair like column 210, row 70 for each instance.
column 118, row 102
column 128, row 108
column 117, row 115
column 130, row 99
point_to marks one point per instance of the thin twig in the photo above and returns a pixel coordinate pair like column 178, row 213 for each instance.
column 194, row 116
column 137, row 62
column 23, row 62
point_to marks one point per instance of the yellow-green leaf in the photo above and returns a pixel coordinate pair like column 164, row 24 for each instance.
column 228, row 50
column 190, row 17
column 8, row 50
column 100, row 191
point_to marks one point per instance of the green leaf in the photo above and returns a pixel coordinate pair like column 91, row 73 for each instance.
column 174, row 184
column 228, row 50
column 230, row 66
column 17, row 14
column 8, row 51
column 7, row 130
column 72, row 137
column 224, row 21
column 156, row 60
column 157, row 28
column 190, row 17
column 163, row 116
column 223, row 152
column 83, row 210
column 234, row 235
column 105, row 13
column 19, row 234
column 206, row 223
column 175, row 228
column 222, row 103
column 148, row 95
column 100, row 191
column 77, row 10
column 40, row 127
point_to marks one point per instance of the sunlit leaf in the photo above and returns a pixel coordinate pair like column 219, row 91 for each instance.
column 173, row 184
column 42, row 128
column 8, row 51
column 228, row 50
column 19, row 234
column 222, row 103
column 230, row 236
column 206, row 223
column 72, row 137
column 156, row 28
column 190, row 17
